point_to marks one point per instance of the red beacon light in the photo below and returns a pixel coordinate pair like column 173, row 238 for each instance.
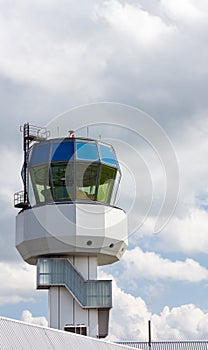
column 71, row 133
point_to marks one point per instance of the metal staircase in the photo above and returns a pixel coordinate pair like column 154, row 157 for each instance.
column 31, row 133
column 61, row 272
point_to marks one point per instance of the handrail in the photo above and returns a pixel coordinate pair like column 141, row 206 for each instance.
column 19, row 200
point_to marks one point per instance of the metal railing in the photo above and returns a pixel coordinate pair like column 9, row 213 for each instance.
column 167, row 345
column 34, row 133
column 19, row 200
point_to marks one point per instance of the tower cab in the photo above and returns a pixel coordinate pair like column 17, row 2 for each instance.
column 67, row 206
column 72, row 170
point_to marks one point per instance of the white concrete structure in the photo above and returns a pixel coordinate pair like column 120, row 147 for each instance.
column 88, row 229
column 68, row 226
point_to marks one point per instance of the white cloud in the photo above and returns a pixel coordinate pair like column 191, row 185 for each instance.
column 93, row 50
column 43, row 45
column 149, row 265
column 192, row 149
column 130, row 315
column 17, row 283
column 187, row 234
column 184, row 322
column 186, row 10
column 132, row 22
column 38, row 59
column 10, row 180
column 187, row 230
column 29, row 318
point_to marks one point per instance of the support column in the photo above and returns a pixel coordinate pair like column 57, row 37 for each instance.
column 64, row 309
column 88, row 268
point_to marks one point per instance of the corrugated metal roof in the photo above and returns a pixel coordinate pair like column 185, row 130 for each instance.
column 169, row 345
column 19, row 335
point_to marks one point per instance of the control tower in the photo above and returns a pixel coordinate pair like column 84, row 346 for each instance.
column 68, row 225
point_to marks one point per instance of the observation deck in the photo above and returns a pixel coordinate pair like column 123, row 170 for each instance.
column 71, row 169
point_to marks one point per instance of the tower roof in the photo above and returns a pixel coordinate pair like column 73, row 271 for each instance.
column 19, row 335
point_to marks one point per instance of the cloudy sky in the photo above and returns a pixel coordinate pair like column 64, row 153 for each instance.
column 151, row 55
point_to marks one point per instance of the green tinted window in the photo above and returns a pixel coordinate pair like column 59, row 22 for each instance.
column 105, row 187
column 86, row 180
column 62, row 181
column 40, row 181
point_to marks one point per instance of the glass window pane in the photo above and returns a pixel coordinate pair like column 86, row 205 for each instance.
column 86, row 151
column 86, row 180
column 31, row 194
column 115, row 188
column 62, row 181
column 40, row 183
column 107, row 155
column 62, row 151
column 105, row 187
column 40, row 154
